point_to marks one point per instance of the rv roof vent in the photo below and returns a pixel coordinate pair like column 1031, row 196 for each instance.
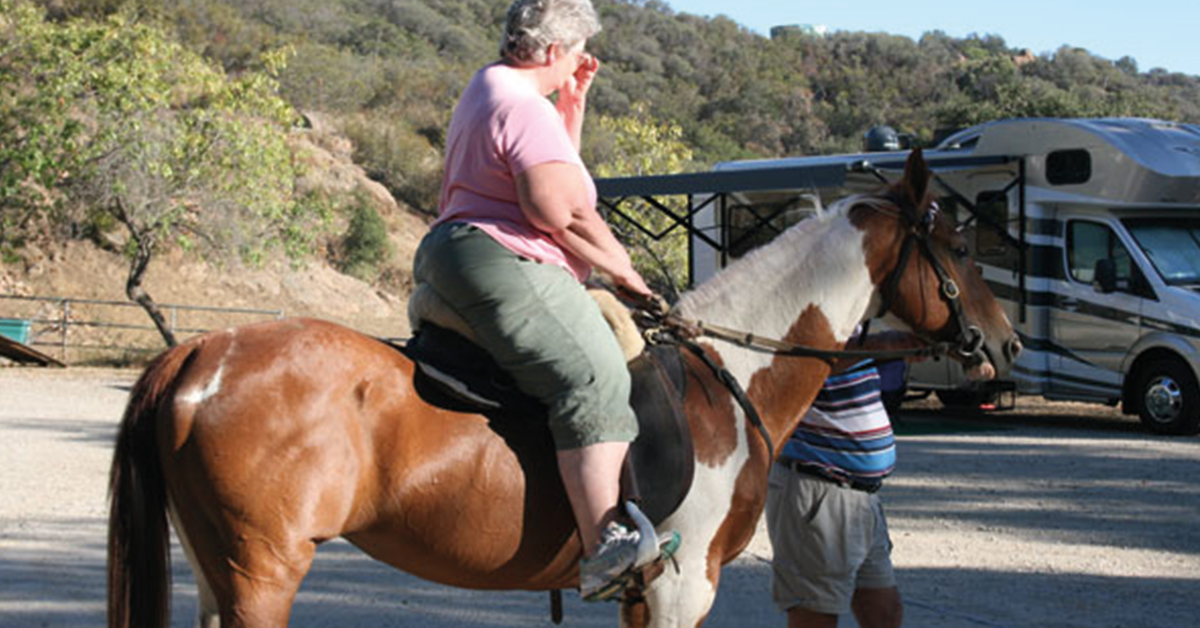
column 1066, row 167
column 881, row 138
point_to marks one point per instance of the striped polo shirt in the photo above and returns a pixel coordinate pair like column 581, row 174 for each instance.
column 846, row 432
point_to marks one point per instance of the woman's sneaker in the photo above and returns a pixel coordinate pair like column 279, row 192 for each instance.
column 606, row 574
column 600, row 577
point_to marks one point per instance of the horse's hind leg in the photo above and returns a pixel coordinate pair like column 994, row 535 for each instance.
column 249, row 584
column 258, row 582
column 209, row 613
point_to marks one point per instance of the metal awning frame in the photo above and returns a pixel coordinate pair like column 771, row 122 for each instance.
column 717, row 186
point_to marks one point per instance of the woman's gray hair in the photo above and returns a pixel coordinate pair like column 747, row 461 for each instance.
column 533, row 25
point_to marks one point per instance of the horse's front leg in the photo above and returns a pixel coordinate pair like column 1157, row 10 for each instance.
column 677, row 598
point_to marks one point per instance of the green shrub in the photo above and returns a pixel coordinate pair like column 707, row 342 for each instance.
column 400, row 157
column 365, row 247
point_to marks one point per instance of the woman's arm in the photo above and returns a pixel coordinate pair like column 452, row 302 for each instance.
column 555, row 199
column 572, row 97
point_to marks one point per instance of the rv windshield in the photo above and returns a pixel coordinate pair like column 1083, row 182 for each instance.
column 1173, row 246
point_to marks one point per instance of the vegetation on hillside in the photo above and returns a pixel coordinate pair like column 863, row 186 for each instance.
column 194, row 97
column 112, row 125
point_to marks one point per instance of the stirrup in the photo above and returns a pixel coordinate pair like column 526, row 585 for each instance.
column 650, row 549
column 612, row 592
column 647, row 549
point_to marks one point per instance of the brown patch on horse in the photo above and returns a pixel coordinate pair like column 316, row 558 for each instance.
column 781, row 393
column 886, row 230
column 883, row 237
column 635, row 613
column 710, row 411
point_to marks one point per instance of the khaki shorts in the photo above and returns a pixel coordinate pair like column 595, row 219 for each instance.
column 540, row 325
column 828, row 542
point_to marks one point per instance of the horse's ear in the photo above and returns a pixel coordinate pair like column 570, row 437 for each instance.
column 916, row 179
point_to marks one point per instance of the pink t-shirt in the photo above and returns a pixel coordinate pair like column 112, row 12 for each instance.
column 501, row 127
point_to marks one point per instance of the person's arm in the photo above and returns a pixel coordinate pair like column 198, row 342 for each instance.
column 892, row 340
column 887, row 341
column 883, row 341
column 572, row 98
column 555, row 199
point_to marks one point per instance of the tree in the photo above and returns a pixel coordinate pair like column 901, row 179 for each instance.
column 117, row 123
column 637, row 145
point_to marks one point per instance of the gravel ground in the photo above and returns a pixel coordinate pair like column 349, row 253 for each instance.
column 1053, row 515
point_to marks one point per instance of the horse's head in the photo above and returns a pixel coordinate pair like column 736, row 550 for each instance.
column 925, row 277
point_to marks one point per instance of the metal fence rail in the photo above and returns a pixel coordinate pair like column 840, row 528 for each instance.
column 93, row 329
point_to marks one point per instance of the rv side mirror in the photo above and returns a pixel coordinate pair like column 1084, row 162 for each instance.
column 1105, row 278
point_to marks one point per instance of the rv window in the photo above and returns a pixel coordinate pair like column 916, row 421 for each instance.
column 756, row 218
column 1090, row 242
column 1173, row 246
column 992, row 210
column 1065, row 167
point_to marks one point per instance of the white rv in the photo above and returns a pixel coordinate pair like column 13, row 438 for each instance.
column 1088, row 231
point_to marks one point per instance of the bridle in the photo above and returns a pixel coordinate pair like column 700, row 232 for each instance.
column 969, row 341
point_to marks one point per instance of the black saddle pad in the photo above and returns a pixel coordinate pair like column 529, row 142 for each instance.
column 661, row 461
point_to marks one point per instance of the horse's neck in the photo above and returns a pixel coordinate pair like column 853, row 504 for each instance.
column 818, row 263
column 810, row 286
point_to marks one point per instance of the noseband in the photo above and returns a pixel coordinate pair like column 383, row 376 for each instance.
column 970, row 338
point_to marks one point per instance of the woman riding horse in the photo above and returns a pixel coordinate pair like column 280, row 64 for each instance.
column 260, row 443
column 517, row 233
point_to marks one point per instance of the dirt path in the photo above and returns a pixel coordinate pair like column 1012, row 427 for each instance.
column 1057, row 515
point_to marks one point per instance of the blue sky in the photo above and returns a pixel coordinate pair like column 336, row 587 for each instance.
column 1157, row 33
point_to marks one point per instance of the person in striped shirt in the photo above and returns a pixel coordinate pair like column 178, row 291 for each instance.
column 832, row 553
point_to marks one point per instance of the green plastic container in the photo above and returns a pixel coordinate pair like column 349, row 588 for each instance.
column 15, row 329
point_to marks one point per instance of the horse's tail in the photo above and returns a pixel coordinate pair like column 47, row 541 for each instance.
column 139, row 576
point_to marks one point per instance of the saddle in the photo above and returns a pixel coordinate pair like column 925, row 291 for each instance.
column 456, row 374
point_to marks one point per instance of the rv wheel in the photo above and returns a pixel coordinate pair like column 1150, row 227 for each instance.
column 1169, row 398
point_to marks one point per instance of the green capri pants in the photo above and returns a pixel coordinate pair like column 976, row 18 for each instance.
column 540, row 326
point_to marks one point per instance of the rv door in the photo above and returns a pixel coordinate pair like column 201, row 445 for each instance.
column 1096, row 317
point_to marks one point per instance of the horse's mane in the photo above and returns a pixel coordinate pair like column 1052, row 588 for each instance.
column 777, row 259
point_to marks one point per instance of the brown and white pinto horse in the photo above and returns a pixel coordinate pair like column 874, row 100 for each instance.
column 261, row 442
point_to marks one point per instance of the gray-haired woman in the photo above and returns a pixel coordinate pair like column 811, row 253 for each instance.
column 517, row 233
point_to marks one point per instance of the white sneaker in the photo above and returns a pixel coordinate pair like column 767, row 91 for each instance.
column 600, row 575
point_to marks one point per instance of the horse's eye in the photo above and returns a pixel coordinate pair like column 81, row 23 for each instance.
column 961, row 252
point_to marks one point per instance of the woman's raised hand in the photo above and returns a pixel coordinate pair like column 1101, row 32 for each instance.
column 575, row 88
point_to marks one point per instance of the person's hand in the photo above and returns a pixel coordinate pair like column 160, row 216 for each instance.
column 575, row 88
column 633, row 282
